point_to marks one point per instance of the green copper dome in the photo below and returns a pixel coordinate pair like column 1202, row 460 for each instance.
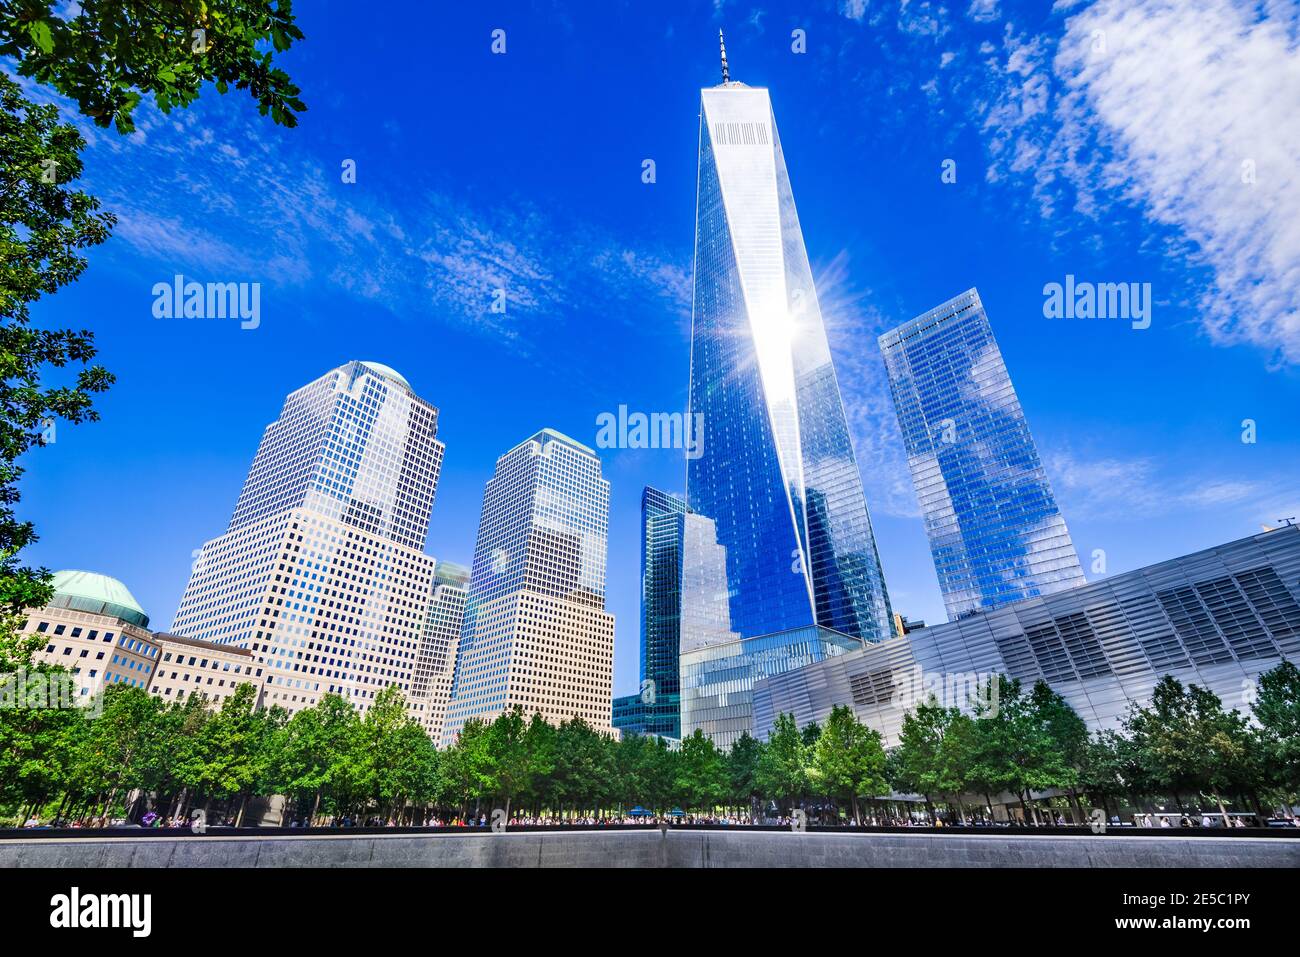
column 388, row 372
column 98, row 594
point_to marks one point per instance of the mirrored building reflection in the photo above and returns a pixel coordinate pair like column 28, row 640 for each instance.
column 995, row 531
column 777, row 474
column 656, row 708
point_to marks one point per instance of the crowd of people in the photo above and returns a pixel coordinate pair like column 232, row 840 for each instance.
column 676, row 818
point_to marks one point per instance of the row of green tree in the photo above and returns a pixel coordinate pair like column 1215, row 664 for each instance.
column 332, row 762
column 1184, row 747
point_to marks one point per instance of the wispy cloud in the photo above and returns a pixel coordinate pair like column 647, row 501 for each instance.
column 1164, row 125
column 852, row 327
column 854, row 9
column 984, row 11
column 1139, row 488
column 922, row 18
column 214, row 193
column 1193, row 107
column 1182, row 111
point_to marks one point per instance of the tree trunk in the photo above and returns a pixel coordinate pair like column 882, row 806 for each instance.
column 1223, row 811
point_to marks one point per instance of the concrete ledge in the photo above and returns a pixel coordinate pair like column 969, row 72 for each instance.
column 734, row 849
column 650, row 848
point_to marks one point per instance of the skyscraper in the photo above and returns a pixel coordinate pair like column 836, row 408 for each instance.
column 995, row 531
column 777, row 475
column 321, row 572
column 656, row 709
column 663, row 525
column 435, row 657
column 536, row 633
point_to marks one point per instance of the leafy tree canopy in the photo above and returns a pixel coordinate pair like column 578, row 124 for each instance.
column 108, row 54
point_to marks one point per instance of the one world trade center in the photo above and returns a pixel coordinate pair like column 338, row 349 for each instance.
column 777, row 475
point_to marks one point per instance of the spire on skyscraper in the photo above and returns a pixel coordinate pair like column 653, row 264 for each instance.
column 722, row 45
column 790, row 573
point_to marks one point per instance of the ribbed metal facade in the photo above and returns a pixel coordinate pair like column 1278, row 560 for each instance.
column 1217, row 618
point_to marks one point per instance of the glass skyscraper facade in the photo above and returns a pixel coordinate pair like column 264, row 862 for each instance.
column 995, row 531
column 535, row 632
column 656, row 708
column 357, row 445
column 321, row 573
column 663, row 523
column 777, row 476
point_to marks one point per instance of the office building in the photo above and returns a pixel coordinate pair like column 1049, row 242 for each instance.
column 94, row 627
column 321, row 573
column 435, row 661
column 188, row 667
column 656, row 708
column 995, row 531
column 777, row 474
column 536, row 633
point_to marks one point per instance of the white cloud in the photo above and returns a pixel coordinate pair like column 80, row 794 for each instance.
column 854, row 9
column 263, row 209
column 922, row 18
column 1167, row 105
column 984, row 11
column 1137, row 488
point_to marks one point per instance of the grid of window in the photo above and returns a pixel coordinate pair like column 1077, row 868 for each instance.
column 718, row 680
column 98, row 649
column 435, row 659
column 996, row 534
column 320, row 575
column 535, row 631
column 357, row 445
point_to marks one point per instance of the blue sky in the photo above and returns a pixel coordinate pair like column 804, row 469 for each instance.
column 1100, row 139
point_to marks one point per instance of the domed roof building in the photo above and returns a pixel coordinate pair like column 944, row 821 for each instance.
column 388, row 372
column 95, row 629
column 97, row 594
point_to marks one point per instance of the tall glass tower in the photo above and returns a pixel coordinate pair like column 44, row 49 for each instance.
column 321, row 572
column 995, row 531
column 535, row 632
column 663, row 524
column 778, row 474
column 656, row 709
